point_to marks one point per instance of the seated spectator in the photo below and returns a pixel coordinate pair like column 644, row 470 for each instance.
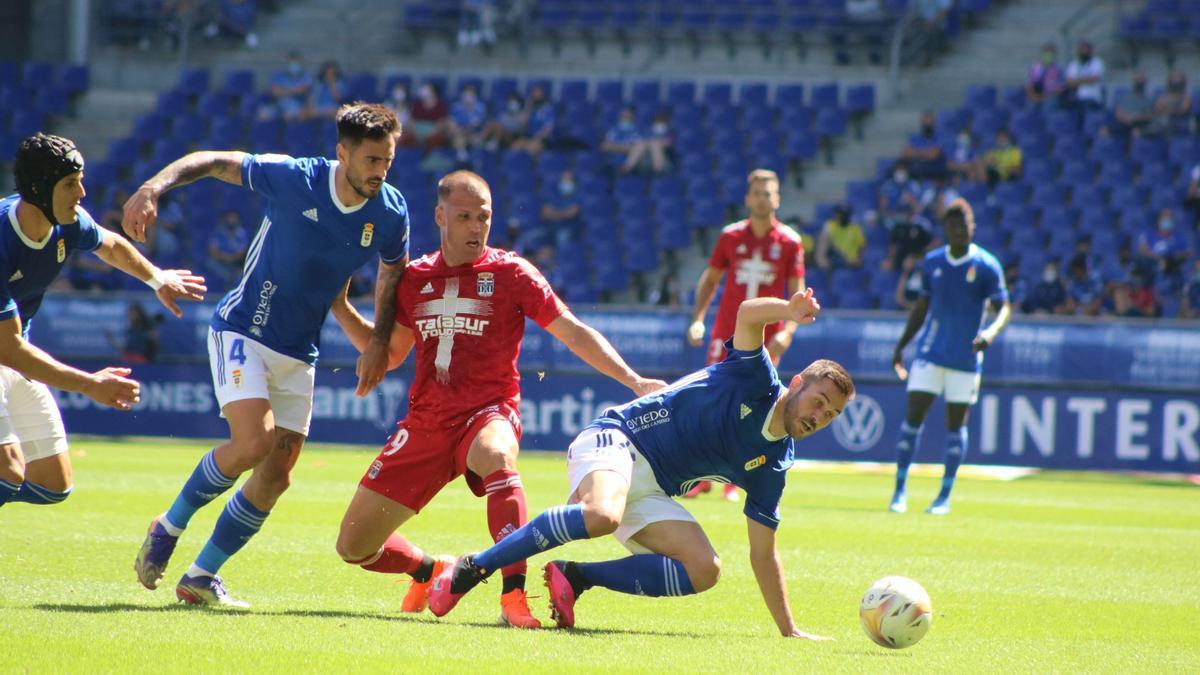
column 960, row 157
column 226, row 251
column 561, row 211
column 1046, row 82
column 167, row 232
column 1189, row 308
column 509, row 125
column 468, row 116
column 1173, row 108
column 1049, row 295
column 236, row 20
column 930, row 26
column 936, row 198
column 654, row 144
column 1134, row 110
column 400, row 105
column 1164, row 248
column 140, row 342
column 1085, row 79
column 908, row 285
column 430, row 118
column 923, row 153
column 1018, row 289
column 290, row 89
column 1085, row 291
column 1003, row 161
column 842, row 241
column 899, row 209
column 540, row 125
column 478, row 23
column 327, row 93
column 623, row 137
column 1135, row 298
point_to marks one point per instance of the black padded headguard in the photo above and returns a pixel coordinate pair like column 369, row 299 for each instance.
column 42, row 161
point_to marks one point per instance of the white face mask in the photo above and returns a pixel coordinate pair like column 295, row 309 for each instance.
column 659, row 127
column 900, row 176
column 1050, row 275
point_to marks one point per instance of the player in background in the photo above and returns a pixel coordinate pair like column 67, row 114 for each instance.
column 324, row 220
column 734, row 420
column 959, row 283
column 766, row 259
column 463, row 309
column 43, row 224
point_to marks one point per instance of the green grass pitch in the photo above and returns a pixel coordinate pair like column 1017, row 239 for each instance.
column 1076, row 573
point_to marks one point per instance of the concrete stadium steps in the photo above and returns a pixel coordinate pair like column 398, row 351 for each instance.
column 102, row 115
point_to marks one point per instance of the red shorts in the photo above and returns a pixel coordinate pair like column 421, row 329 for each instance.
column 418, row 462
column 716, row 348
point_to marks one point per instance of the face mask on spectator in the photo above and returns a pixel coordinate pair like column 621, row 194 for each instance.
column 1047, row 57
column 566, row 187
column 1166, row 224
column 900, row 176
column 399, row 94
column 964, row 139
column 1050, row 275
column 295, row 68
column 659, row 128
column 468, row 97
column 514, row 105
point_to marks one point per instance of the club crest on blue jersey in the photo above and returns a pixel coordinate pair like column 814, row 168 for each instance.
column 485, row 284
column 368, row 234
column 62, row 250
column 971, row 274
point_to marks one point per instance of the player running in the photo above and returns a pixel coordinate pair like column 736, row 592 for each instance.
column 766, row 258
column 41, row 226
column 325, row 219
column 959, row 282
column 733, row 421
column 463, row 308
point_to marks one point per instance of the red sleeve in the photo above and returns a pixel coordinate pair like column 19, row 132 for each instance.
column 798, row 263
column 535, row 297
column 720, row 255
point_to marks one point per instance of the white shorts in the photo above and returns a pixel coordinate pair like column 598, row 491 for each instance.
column 244, row 369
column 956, row 386
column 611, row 450
column 29, row 416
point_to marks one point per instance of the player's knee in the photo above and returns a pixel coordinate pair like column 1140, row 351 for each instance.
column 252, row 448
column 12, row 469
column 704, row 572
column 351, row 551
column 600, row 520
column 277, row 483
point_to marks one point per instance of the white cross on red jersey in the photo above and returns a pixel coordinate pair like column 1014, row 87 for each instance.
column 754, row 267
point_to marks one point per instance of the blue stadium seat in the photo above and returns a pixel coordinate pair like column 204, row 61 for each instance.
column 610, row 91
column 74, row 78
column 1107, row 149
column 50, row 99
column 1077, row 171
column 830, row 122
column 1068, row 147
column 213, row 105
column 1094, row 121
column 681, row 92
column 1014, row 97
column 1115, row 174
column 1126, row 196
column 1038, row 171
column 753, row 94
column 860, row 98
column 1048, row 194
column 789, row 95
column 363, row 86
column 238, row 83
column 696, row 19
column 1010, row 193
column 646, row 92
column 1155, row 173
column 824, row 95
column 981, row 96
column 1062, row 123
column 718, row 94
column 1166, row 196
column 150, row 127
column 546, row 84
column 573, row 90
column 36, row 74
column 1144, row 149
column 26, row 122
column 1085, row 195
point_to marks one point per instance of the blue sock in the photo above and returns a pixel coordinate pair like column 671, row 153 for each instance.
column 8, row 491
column 648, row 574
column 238, row 522
column 204, row 485
column 956, row 449
column 906, row 447
column 553, row 527
column 32, row 493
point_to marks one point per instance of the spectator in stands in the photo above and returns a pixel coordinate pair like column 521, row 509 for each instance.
column 509, row 125
column 622, row 138
column 430, row 118
column 923, row 153
column 540, row 126
column 139, row 344
column 168, row 240
column 561, row 211
column 655, row 145
column 1085, row 290
column 468, row 116
column 1135, row 298
column 1173, row 108
column 478, row 23
column 236, row 20
column 1046, row 82
column 1134, row 111
column 930, row 27
column 1049, row 295
column 327, row 93
column 1018, row 289
column 1085, row 79
column 290, row 89
column 1191, row 200
column 908, row 285
column 938, row 197
column 399, row 104
column 227, row 250
column 899, row 208
column 1164, row 247
column 1003, row 161
column 842, row 241
column 86, row 272
column 960, row 157
column 1189, row 307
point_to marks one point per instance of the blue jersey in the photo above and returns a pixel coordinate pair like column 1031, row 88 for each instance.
column 308, row 245
column 28, row 267
column 712, row 425
column 958, row 293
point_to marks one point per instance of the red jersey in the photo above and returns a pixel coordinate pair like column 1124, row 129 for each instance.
column 467, row 322
column 754, row 267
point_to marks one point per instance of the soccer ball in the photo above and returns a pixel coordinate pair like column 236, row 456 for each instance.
column 896, row 612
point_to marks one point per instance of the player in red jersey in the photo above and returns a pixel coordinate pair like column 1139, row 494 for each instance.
column 463, row 309
column 766, row 258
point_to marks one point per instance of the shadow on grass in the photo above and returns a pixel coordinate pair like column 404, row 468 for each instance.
column 594, row 632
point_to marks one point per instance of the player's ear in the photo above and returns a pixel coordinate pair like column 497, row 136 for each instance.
column 796, row 383
column 343, row 153
column 439, row 215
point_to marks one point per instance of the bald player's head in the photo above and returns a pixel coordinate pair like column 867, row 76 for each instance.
column 468, row 181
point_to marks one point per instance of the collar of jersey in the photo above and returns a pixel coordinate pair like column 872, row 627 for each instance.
column 767, row 423
column 966, row 256
column 333, row 191
column 775, row 223
column 12, row 218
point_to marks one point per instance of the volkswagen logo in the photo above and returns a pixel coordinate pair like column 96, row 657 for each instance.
column 860, row 426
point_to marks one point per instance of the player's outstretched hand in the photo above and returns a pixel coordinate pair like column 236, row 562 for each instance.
column 642, row 386
column 112, row 388
column 797, row 633
column 898, row 364
column 695, row 334
column 981, row 342
column 803, row 307
column 180, row 285
column 140, row 211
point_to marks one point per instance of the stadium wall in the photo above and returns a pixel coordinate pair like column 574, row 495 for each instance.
column 1112, row 395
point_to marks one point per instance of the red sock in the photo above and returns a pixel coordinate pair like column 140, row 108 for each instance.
column 397, row 556
column 505, row 509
